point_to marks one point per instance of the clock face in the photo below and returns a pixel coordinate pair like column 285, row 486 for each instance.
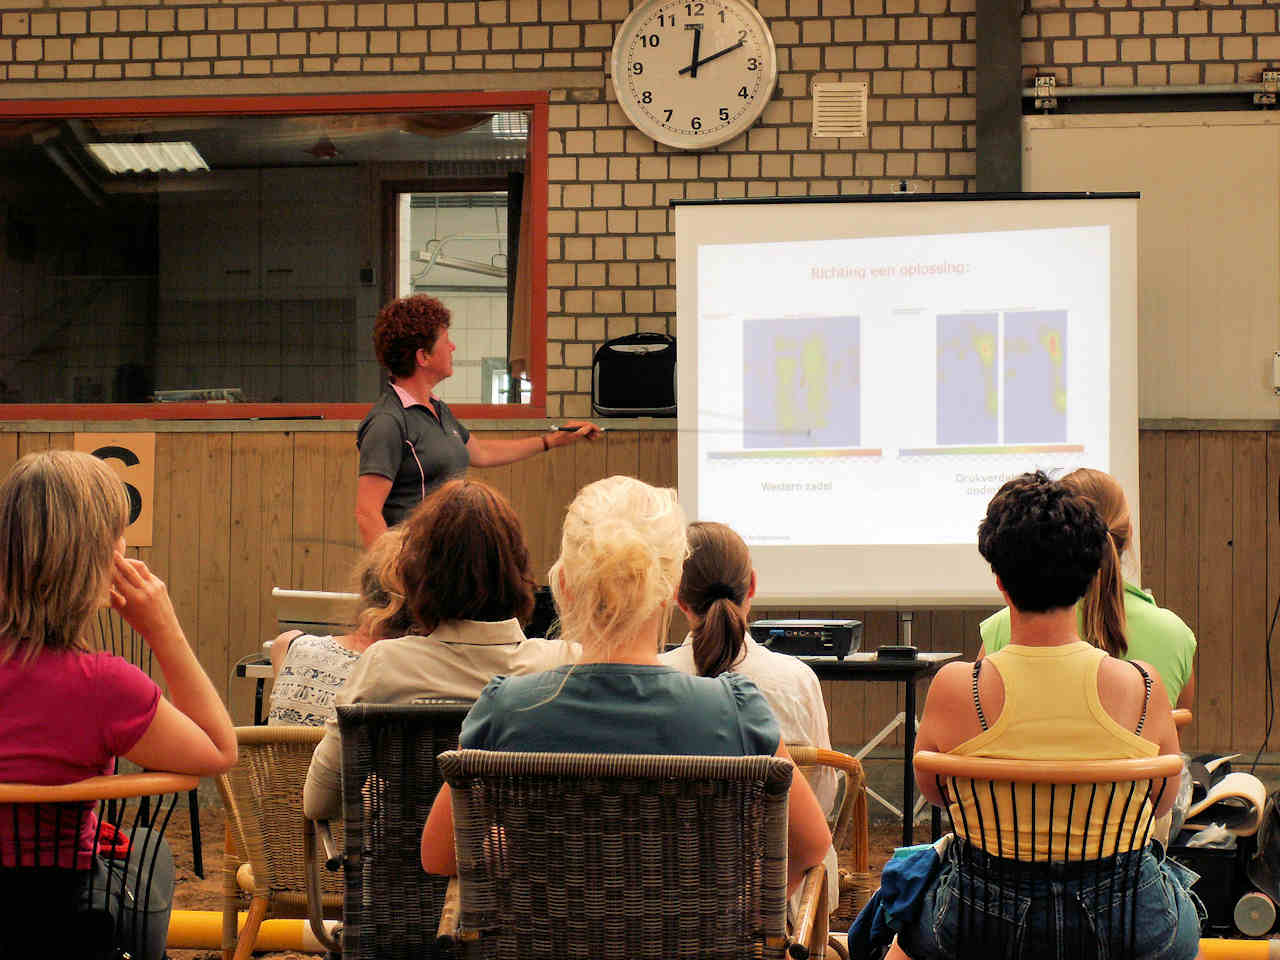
column 694, row 73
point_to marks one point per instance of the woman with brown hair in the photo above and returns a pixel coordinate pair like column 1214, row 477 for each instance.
column 410, row 442
column 1115, row 615
column 462, row 576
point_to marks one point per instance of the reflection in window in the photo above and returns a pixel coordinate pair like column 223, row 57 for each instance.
column 130, row 273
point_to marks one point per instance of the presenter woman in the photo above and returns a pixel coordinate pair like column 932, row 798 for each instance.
column 1115, row 615
column 410, row 443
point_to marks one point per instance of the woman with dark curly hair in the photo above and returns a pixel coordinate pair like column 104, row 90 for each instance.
column 410, row 442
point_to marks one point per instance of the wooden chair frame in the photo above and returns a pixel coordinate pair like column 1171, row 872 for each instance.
column 849, row 828
column 44, row 924
column 1106, row 863
column 268, row 851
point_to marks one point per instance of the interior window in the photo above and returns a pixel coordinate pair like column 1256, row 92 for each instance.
column 244, row 259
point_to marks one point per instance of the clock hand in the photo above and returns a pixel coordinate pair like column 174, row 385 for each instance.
column 692, row 69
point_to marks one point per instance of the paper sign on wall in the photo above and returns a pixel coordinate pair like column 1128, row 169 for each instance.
column 133, row 457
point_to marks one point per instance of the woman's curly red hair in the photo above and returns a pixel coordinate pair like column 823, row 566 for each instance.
column 404, row 327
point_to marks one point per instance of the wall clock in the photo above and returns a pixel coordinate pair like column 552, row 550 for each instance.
column 694, row 73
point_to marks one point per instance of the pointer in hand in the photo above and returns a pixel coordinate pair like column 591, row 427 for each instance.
column 692, row 69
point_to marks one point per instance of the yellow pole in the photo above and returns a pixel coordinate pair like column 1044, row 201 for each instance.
column 1214, row 949
column 202, row 929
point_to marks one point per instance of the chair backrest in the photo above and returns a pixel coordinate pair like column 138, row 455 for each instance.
column 1026, row 828
column 390, row 778
column 314, row 611
column 609, row 856
column 263, row 797
column 116, row 636
column 54, row 842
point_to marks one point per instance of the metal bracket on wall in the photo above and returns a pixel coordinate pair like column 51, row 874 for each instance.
column 1045, row 87
column 1270, row 86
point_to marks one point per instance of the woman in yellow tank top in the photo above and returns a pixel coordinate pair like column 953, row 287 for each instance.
column 1049, row 696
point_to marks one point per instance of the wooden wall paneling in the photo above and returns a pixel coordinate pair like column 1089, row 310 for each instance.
column 32, row 443
column 62, row 441
column 307, row 567
column 156, row 556
column 1249, row 587
column 1213, row 687
column 214, row 569
column 559, row 486
column 1152, row 512
column 1182, row 541
column 341, row 538
column 183, row 479
column 621, row 454
column 501, row 478
column 1272, row 494
column 589, row 463
column 528, row 491
column 8, row 452
column 657, row 457
column 261, row 557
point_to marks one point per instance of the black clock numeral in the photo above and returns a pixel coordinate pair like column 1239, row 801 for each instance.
column 665, row 21
column 667, row 118
column 637, row 68
column 694, row 9
column 722, row 16
column 724, row 113
column 742, row 92
column 646, row 97
column 696, row 123
column 753, row 63
column 649, row 40
column 742, row 36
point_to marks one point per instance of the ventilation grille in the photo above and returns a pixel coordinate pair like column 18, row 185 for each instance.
column 840, row 109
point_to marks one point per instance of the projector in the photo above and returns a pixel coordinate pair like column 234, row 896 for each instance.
column 809, row 638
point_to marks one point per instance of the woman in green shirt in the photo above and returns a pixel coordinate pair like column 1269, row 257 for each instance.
column 1117, row 616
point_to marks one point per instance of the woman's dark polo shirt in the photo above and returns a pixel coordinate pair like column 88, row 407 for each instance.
column 412, row 449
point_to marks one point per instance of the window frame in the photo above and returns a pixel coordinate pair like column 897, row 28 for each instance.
column 535, row 101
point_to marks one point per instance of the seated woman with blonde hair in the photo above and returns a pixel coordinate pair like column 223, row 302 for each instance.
column 462, row 576
column 309, row 670
column 621, row 554
column 69, row 713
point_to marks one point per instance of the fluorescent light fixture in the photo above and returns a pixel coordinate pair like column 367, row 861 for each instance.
column 510, row 126
column 174, row 157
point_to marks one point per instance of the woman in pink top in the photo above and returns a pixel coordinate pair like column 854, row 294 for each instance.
column 69, row 712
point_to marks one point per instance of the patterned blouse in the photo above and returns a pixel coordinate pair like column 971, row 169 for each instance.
column 314, row 669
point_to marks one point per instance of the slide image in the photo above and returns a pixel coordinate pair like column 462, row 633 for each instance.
column 802, row 382
column 1035, row 376
column 968, row 391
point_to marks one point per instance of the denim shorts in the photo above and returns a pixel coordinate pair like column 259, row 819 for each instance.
column 984, row 907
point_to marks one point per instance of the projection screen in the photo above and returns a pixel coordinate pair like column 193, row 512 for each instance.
column 857, row 377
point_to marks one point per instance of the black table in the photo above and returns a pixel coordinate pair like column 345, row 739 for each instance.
column 258, row 669
column 866, row 667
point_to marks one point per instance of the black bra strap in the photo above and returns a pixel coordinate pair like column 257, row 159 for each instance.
column 1146, row 700
column 977, row 704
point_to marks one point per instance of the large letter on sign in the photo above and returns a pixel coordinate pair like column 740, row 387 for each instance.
column 133, row 457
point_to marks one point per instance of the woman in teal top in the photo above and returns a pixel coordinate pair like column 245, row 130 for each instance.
column 1115, row 615
column 621, row 554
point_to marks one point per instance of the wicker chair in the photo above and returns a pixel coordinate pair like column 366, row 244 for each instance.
column 849, row 828
column 605, row 856
column 116, row 636
column 45, row 884
column 390, row 778
column 1104, row 863
column 266, row 837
